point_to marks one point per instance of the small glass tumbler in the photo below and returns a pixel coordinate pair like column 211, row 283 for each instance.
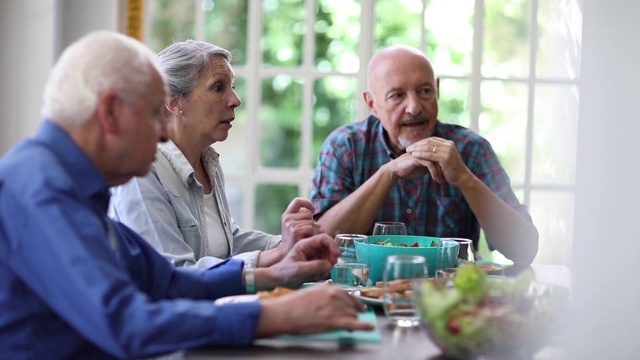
column 397, row 293
column 447, row 259
column 350, row 271
column 466, row 252
column 389, row 228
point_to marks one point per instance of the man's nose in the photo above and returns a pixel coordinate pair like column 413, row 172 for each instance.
column 414, row 107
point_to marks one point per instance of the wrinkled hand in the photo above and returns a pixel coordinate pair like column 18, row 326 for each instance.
column 309, row 259
column 407, row 167
column 445, row 164
column 315, row 309
column 297, row 224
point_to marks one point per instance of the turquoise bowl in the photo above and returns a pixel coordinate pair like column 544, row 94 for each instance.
column 376, row 255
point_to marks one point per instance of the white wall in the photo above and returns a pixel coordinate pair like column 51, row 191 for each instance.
column 30, row 41
column 26, row 42
column 607, row 234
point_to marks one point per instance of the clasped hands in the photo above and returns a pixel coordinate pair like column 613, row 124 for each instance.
column 434, row 155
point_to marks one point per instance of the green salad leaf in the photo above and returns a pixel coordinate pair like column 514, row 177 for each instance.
column 470, row 280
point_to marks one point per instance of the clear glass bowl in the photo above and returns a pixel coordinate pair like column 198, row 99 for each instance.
column 498, row 324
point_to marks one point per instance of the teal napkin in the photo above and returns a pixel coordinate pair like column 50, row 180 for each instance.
column 344, row 336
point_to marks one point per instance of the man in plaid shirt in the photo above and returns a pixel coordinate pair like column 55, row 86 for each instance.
column 403, row 164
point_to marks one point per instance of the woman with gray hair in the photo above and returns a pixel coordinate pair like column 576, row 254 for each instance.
column 180, row 207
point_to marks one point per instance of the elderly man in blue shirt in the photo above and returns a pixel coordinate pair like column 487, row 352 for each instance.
column 74, row 283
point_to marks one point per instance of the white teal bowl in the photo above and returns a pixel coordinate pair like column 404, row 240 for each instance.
column 376, row 255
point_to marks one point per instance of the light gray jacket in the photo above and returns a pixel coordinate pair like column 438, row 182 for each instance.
column 166, row 207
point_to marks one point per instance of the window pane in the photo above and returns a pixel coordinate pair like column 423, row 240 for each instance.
column 449, row 27
column 334, row 105
column 552, row 213
column 337, row 30
column 280, row 121
column 506, row 38
column 271, row 202
column 555, row 134
column 233, row 151
column 559, row 39
column 453, row 104
column 284, row 28
column 226, row 26
column 503, row 122
column 171, row 21
column 398, row 22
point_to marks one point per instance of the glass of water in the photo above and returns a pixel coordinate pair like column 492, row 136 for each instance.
column 466, row 251
column 350, row 271
column 397, row 293
column 389, row 228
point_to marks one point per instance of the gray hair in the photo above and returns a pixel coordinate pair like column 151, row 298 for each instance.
column 183, row 63
column 99, row 61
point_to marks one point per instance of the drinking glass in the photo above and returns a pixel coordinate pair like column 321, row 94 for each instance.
column 466, row 252
column 397, row 293
column 350, row 271
column 389, row 228
column 447, row 259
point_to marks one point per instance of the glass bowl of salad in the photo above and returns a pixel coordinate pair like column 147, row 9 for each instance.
column 475, row 316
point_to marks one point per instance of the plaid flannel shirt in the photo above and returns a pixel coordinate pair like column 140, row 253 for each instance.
column 352, row 153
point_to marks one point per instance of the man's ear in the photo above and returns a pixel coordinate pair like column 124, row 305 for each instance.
column 438, row 88
column 109, row 111
column 368, row 99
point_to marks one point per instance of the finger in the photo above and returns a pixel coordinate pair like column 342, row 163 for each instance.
column 435, row 171
column 319, row 247
column 349, row 324
column 299, row 203
column 313, row 268
column 302, row 215
column 302, row 231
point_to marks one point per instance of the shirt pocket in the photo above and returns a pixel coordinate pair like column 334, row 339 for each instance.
column 191, row 234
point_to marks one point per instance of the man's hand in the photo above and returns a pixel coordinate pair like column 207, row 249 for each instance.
column 309, row 259
column 442, row 159
column 315, row 309
column 406, row 167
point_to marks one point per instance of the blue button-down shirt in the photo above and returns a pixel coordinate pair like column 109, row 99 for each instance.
column 352, row 153
column 66, row 291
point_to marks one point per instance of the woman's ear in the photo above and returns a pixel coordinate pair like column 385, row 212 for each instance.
column 173, row 105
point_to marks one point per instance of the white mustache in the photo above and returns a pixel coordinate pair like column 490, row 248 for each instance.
column 414, row 119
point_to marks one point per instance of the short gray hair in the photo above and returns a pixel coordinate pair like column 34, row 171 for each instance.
column 183, row 63
column 99, row 61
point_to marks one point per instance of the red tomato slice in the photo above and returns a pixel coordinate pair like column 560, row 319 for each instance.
column 415, row 244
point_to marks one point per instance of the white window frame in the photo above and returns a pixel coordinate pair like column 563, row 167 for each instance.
column 253, row 72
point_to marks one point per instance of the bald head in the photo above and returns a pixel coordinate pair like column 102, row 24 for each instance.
column 395, row 58
column 402, row 92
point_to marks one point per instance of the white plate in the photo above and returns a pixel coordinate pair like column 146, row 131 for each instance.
column 367, row 300
column 236, row 299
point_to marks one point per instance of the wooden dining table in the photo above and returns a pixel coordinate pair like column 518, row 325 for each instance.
column 397, row 342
